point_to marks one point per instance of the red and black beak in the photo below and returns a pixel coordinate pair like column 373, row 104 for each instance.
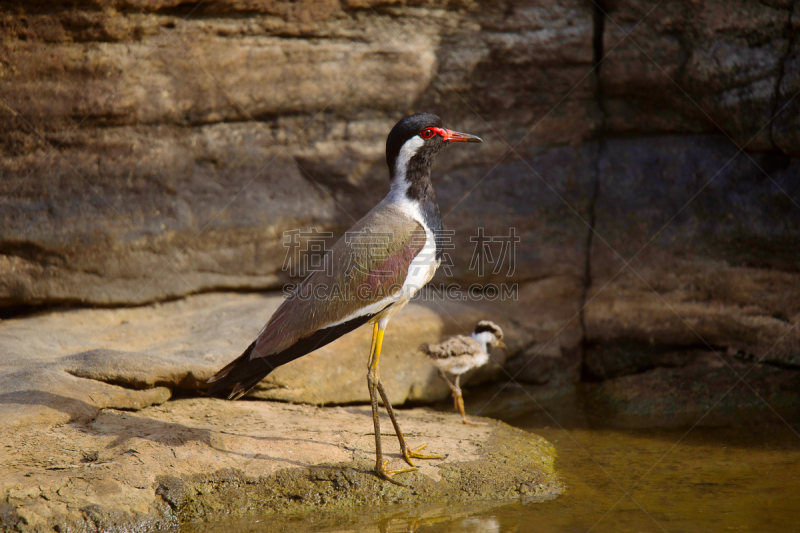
column 458, row 137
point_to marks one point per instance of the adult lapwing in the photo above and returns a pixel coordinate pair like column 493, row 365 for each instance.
column 459, row 354
column 373, row 271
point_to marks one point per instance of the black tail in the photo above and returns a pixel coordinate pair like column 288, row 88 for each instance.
column 244, row 372
column 231, row 376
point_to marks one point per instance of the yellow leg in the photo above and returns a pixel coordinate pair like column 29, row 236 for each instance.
column 373, row 379
column 372, row 345
column 404, row 449
column 460, row 405
column 458, row 400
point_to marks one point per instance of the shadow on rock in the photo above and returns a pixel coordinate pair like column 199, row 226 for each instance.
column 128, row 426
column 107, row 422
column 75, row 409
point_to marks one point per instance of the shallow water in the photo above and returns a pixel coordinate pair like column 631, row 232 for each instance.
column 742, row 478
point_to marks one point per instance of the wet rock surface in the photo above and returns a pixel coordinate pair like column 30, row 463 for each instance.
column 696, row 247
column 693, row 388
column 707, row 388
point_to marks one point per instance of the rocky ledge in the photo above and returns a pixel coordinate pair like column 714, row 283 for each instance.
column 108, row 428
column 202, row 458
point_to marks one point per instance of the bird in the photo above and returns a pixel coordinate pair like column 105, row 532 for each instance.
column 370, row 274
column 459, row 354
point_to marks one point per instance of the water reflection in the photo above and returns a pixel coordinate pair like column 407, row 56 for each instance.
column 447, row 524
column 476, row 517
column 478, row 525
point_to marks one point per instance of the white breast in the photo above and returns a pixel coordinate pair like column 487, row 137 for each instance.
column 424, row 265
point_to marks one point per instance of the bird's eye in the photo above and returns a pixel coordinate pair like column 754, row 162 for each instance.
column 427, row 134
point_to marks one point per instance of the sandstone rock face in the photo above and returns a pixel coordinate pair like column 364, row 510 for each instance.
column 545, row 199
column 702, row 67
column 152, row 151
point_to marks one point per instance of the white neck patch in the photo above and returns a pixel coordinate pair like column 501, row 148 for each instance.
column 397, row 193
column 486, row 338
column 408, row 151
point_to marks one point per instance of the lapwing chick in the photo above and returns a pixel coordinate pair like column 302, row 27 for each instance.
column 459, row 354
column 369, row 275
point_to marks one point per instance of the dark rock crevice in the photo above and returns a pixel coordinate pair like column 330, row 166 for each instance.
column 776, row 99
column 597, row 48
column 130, row 385
column 587, row 280
column 622, row 357
column 599, row 25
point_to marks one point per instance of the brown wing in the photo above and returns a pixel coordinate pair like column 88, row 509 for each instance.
column 452, row 347
column 368, row 267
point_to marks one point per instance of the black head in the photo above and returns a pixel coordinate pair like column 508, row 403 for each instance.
column 428, row 136
column 488, row 325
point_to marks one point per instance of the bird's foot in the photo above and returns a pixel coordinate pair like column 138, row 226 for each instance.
column 409, row 454
column 468, row 423
column 383, row 473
